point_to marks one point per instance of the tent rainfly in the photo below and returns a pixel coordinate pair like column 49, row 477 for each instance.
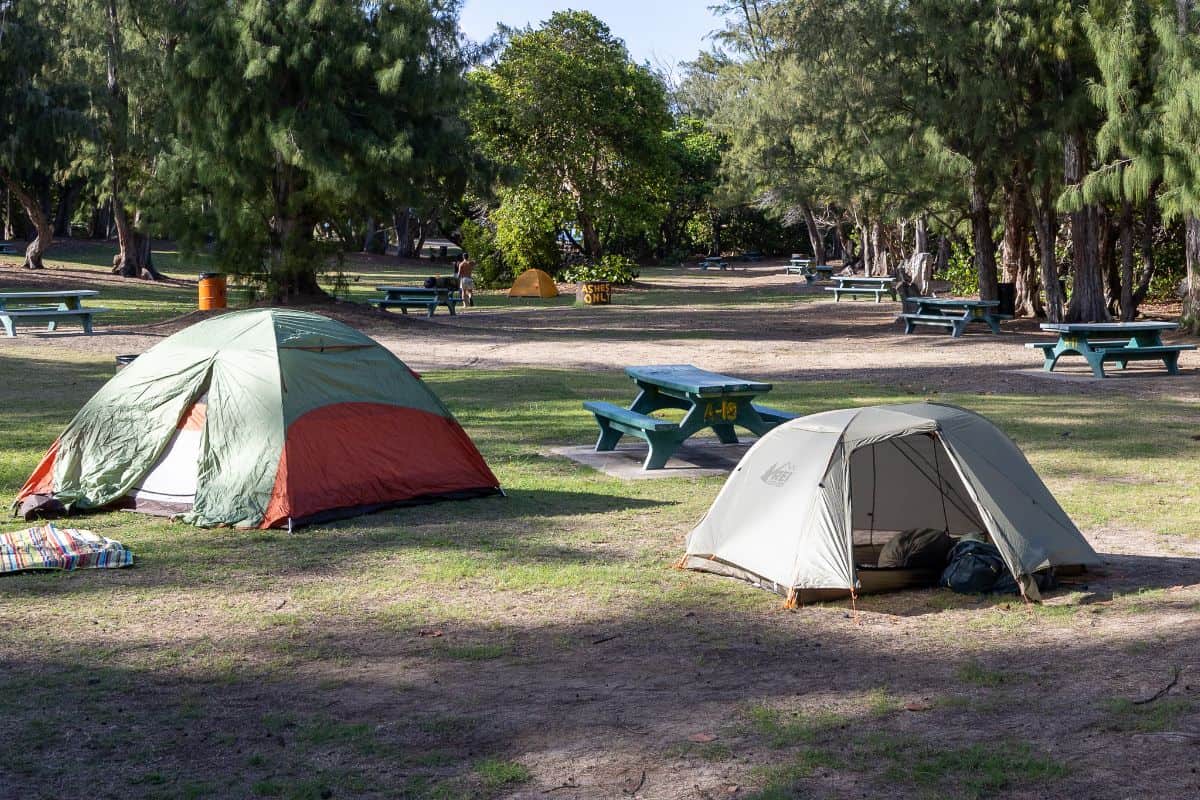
column 533, row 283
column 260, row 418
column 806, row 511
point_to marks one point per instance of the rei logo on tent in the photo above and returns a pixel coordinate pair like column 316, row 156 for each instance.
column 778, row 474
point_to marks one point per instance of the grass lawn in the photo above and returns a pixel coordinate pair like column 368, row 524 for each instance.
column 508, row 646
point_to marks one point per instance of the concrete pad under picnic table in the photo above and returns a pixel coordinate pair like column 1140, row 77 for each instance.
column 1081, row 373
column 695, row 458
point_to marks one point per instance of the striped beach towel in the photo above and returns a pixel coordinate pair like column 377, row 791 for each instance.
column 51, row 547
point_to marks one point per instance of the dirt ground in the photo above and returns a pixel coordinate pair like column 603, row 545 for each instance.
column 684, row 315
column 600, row 710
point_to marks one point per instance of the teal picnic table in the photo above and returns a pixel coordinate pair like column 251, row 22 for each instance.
column 50, row 306
column 798, row 265
column 710, row 400
column 1119, row 342
column 855, row 285
column 406, row 297
column 953, row 314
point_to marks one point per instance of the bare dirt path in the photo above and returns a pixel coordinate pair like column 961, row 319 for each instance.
column 754, row 321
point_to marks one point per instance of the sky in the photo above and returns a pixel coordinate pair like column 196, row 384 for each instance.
column 663, row 32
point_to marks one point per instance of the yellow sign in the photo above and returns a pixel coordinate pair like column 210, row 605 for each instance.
column 725, row 410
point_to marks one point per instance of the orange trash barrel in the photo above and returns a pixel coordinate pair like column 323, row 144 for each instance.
column 212, row 291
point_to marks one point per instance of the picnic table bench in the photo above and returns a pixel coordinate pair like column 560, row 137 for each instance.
column 818, row 272
column 855, row 285
column 710, row 400
column 714, row 261
column 1119, row 342
column 406, row 297
column 50, row 307
column 7, row 249
column 797, row 265
column 953, row 314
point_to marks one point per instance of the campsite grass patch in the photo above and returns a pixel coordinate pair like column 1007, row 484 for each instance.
column 780, row 729
column 977, row 674
column 972, row 771
column 1124, row 714
column 282, row 654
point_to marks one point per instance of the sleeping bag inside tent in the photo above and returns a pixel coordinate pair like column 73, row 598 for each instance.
column 813, row 504
column 533, row 283
column 260, row 418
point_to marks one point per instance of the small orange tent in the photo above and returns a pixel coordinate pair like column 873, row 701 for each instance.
column 533, row 283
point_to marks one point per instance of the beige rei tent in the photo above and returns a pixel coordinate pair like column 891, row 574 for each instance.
column 810, row 505
column 533, row 283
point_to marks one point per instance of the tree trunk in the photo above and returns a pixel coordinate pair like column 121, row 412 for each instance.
column 942, row 259
column 43, row 233
column 981, row 234
column 591, row 237
column 8, row 214
column 404, row 238
column 920, row 236
column 1191, row 295
column 1149, row 222
column 1088, row 303
column 68, row 197
column 1106, row 244
column 1128, row 309
column 1046, row 226
column 879, row 254
column 815, row 237
column 1016, row 264
column 867, row 253
column 845, row 245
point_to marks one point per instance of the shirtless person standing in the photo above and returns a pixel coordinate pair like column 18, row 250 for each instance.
column 464, row 271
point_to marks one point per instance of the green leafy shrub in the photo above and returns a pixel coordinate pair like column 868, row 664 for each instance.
column 479, row 242
column 611, row 268
column 527, row 232
column 960, row 272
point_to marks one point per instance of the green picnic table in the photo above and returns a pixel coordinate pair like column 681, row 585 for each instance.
column 854, row 285
column 1119, row 342
column 710, row 400
column 46, row 306
column 714, row 261
column 798, row 265
column 954, row 314
column 406, row 297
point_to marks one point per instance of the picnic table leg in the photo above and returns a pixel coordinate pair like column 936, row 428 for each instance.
column 87, row 324
column 1095, row 359
column 609, row 436
column 431, row 308
column 1051, row 357
column 450, row 305
column 752, row 421
column 8, row 327
column 662, row 447
column 960, row 327
column 908, row 326
column 1171, row 362
column 725, row 433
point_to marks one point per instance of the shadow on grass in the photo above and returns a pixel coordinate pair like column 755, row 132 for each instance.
column 355, row 702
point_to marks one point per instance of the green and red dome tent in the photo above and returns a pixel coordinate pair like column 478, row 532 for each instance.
column 260, row 418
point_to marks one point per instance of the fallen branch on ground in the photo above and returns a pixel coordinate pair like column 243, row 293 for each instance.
column 1162, row 691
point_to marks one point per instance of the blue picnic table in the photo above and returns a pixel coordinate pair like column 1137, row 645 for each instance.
column 406, row 297
column 954, row 314
column 1119, row 342
column 854, row 285
column 710, row 400
column 50, row 306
